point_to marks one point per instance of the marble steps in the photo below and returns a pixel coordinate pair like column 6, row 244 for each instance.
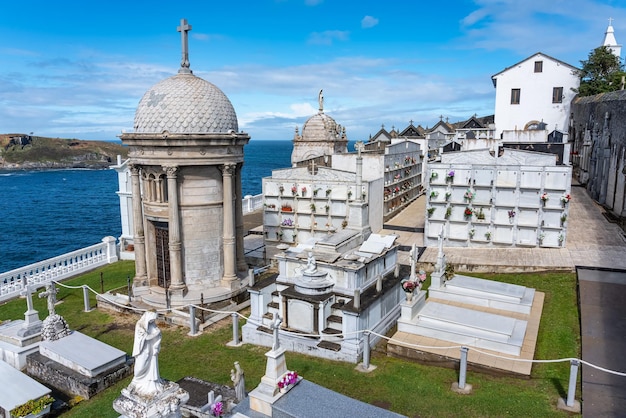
column 272, row 307
column 463, row 326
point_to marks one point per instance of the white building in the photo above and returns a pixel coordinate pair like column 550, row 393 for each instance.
column 533, row 98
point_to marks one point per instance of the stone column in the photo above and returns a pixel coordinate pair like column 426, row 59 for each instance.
column 177, row 285
column 241, row 257
column 229, row 244
column 139, row 240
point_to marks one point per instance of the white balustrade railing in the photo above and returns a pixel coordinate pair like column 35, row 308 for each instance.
column 252, row 203
column 57, row 268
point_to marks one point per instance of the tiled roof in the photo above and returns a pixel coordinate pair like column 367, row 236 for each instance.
column 185, row 103
column 320, row 127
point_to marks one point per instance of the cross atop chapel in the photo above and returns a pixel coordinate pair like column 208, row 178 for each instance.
column 184, row 63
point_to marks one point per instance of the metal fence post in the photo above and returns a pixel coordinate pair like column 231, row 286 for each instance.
column 463, row 367
column 571, row 389
column 235, row 328
column 86, row 298
column 366, row 350
column 192, row 320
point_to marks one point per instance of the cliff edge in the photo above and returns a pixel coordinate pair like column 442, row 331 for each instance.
column 26, row 152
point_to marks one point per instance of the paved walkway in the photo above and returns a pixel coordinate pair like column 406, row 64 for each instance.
column 603, row 329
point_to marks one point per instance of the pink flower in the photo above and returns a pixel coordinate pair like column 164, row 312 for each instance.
column 217, row 409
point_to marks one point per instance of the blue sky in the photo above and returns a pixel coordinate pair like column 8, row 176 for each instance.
column 78, row 69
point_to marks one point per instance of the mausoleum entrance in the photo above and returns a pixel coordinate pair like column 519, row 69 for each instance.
column 161, row 238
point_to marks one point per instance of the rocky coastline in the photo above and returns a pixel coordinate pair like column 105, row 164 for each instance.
column 28, row 153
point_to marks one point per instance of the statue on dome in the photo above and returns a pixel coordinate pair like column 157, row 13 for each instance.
column 320, row 99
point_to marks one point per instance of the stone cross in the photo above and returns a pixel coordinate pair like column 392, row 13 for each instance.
column 275, row 327
column 184, row 28
column 610, row 21
column 51, row 294
column 28, row 292
column 32, row 323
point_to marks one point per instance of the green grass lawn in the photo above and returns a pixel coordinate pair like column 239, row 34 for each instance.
column 402, row 386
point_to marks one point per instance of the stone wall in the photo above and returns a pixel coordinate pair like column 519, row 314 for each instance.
column 71, row 382
column 598, row 130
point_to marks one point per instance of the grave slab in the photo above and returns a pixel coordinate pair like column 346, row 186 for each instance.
column 18, row 388
column 468, row 327
column 487, row 293
column 308, row 400
column 83, row 354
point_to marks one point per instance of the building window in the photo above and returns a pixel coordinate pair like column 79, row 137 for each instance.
column 515, row 93
column 538, row 66
column 557, row 95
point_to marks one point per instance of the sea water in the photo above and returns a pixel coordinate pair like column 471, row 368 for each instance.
column 48, row 213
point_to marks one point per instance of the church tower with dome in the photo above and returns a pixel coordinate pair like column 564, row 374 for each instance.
column 321, row 136
column 186, row 155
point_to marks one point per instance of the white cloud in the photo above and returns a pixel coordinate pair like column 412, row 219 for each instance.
column 327, row 37
column 525, row 27
column 207, row 36
column 369, row 22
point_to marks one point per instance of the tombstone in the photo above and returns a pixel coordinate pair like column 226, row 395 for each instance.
column 32, row 324
column 269, row 390
column 54, row 326
column 204, row 395
column 148, row 395
column 20, row 338
column 71, row 361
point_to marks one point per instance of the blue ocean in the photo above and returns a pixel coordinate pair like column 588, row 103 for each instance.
column 49, row 213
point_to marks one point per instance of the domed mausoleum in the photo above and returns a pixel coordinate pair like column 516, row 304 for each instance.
column 186, row 154
column 321, row 136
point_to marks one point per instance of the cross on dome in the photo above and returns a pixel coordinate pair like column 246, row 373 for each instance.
column 184, row 28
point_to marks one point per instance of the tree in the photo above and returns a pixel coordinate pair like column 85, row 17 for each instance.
column 601, row 73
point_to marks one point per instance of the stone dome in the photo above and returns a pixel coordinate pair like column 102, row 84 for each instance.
column 320, row 127
column 184, row 104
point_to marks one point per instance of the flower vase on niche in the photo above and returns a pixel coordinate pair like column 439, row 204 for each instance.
column 409, row 287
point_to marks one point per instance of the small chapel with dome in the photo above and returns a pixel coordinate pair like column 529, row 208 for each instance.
column 186, row 155
column 321, row 137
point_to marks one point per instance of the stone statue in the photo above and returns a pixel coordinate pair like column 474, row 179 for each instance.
column 311, row 264
column 440, row 266
column 320, row 99
column 413, row 258
column 51, row 294
column 146, row 380
column 275, row 327
column 237, row 376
